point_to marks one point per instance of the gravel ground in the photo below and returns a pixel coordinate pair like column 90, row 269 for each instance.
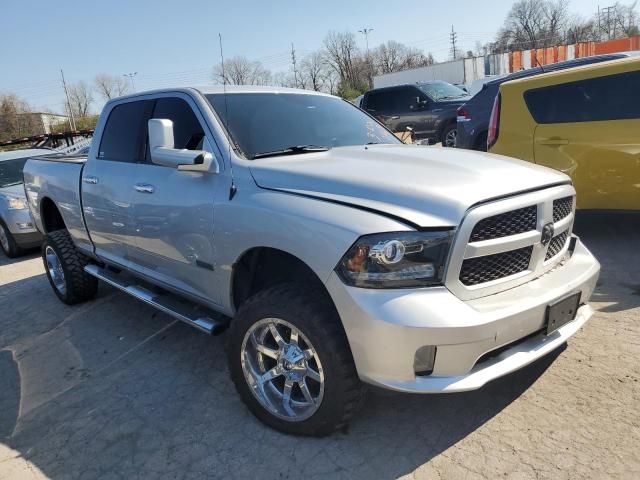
column 113, row 389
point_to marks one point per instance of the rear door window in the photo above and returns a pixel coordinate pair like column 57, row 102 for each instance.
column 612, row 97
column 124, row 135
column 380, row 102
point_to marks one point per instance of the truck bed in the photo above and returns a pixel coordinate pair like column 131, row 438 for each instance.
column 56, row 178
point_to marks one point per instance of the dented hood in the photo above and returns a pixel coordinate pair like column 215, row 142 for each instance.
column 426, row 186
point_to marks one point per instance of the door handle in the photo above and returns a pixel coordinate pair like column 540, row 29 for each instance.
column 395, row 117
column 144, row 188
column 554, row 142
column 90, row 179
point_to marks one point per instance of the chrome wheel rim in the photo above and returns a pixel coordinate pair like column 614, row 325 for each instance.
column 282, row 369
column 450, row 139
column 4, row 240
column 54, row 267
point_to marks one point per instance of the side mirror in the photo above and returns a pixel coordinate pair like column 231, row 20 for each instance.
column 161, row 146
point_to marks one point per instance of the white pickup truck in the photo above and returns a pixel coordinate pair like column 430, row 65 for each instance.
column 334, row 254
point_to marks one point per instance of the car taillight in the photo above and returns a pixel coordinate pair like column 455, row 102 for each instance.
column 494, row 123
column 463, row 114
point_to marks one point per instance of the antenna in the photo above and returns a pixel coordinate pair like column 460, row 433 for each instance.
column 540, row 65
column 233, row 189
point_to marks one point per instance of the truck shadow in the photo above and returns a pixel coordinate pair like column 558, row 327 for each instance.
column 121, row 389
column 112, row 387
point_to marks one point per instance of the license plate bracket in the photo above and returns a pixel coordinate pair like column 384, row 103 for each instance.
column 562, row 311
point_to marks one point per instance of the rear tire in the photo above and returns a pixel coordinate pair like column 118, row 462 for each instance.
column 64, row 265
column 8, row 243
column 325, row 365
column 449, row 135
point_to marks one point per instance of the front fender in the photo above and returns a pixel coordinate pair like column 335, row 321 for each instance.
column 316, row 232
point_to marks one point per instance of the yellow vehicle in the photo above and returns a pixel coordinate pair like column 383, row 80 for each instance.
column 584, row 121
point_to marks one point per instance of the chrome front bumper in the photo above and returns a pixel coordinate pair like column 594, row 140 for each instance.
column 386, row 327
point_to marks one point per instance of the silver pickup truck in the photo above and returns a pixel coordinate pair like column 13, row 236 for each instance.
column 334, row 254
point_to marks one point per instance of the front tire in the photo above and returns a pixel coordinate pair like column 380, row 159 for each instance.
column 8, row 243
column 291, row 363
column 64, row 265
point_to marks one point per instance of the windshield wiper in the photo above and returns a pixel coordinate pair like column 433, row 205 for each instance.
column 291, row 150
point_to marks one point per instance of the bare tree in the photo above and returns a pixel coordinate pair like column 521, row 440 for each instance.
column 110, row 86
column 581, row 30
column 344, row 57
column 16, row 119
column 80, row 98
column 283, row 79
column 313, row 71
column 393, row 56
column 241, row 71
column 625, row 20
column 534, row 24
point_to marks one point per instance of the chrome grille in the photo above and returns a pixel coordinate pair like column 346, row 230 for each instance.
column 505, row 224
column 556, row 244
column 562, row 208
column 493, row 267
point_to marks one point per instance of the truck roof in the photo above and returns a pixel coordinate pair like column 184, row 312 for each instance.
column 231, row 89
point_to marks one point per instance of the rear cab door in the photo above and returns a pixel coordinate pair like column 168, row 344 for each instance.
column 589, row 128
column 107, row 188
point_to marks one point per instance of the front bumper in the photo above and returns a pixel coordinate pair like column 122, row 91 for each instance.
column 21, row 227
column 386, row 327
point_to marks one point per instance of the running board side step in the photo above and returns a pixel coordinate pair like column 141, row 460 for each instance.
column 165, row 302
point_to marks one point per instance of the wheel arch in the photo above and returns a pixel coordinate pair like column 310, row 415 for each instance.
column 258, row 268
column 50, row 216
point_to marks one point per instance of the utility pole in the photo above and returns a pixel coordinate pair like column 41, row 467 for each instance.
column 607, row 11
column 454, row 37
column 366, row 31
column 131, row 75
column 295, row 69
column 72, row 120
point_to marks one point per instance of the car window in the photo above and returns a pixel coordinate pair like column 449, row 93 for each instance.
column 405, row 99
column 381, row 102
column 187, row 130
column 612, row 97
column 439, row 90
column 124, row 135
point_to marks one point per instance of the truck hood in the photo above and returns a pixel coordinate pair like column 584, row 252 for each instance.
column 424, row 186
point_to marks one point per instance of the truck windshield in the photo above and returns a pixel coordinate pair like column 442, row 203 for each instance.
column 270, row 124
column 439, row 90
column 11, row 172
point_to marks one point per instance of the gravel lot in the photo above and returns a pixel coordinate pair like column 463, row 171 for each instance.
column 113, row 389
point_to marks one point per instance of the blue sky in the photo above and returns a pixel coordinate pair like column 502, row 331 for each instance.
column 171, row 43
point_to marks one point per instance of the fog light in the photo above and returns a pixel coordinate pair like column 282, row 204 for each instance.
column 424, row 359
column 25, row 226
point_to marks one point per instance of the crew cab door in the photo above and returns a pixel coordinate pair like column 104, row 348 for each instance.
column 106, row 180
column 174, row 210
column 588, row 129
